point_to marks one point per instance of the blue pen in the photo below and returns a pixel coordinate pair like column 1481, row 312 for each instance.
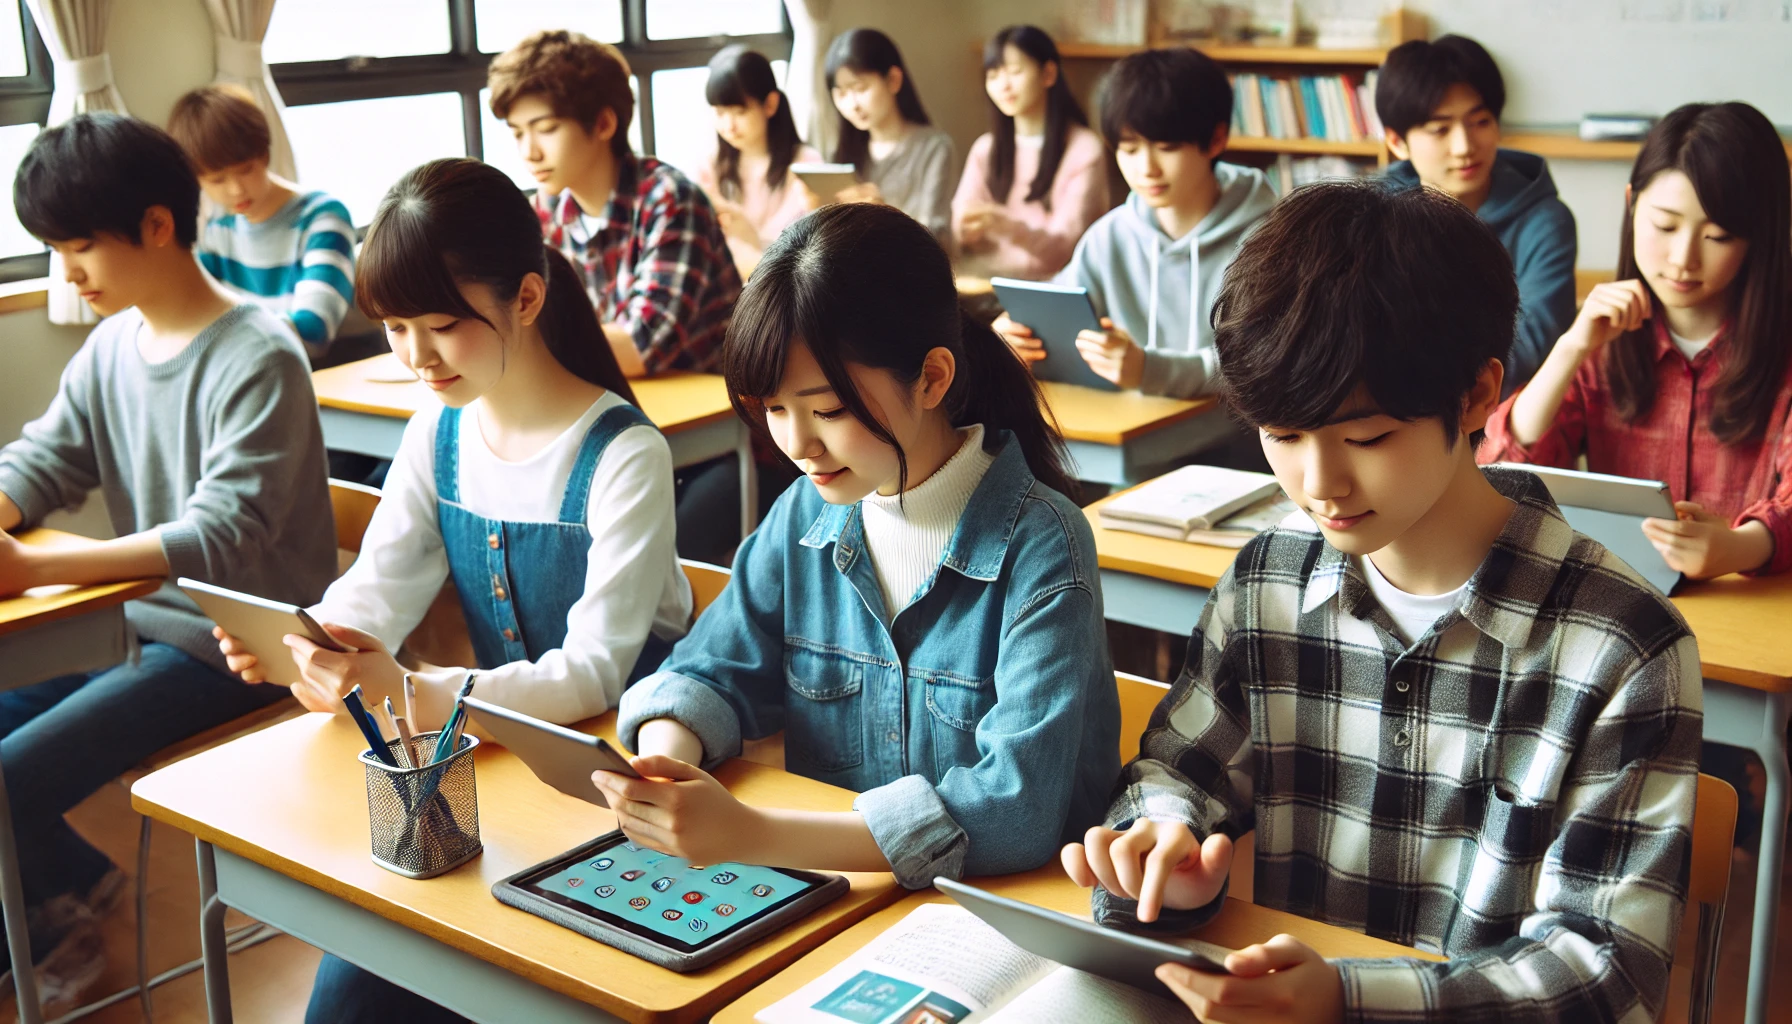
column 445, row 739
column 375, row 742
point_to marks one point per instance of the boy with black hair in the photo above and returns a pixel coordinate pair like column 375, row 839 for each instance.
column 1153, row 264
column 1439, row 103
column 194, row 417
column 1453, row 722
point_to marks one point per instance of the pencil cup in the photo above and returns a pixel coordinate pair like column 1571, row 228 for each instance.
column 423, row 821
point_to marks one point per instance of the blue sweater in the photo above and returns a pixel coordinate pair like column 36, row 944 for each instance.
column 298, row 264
column 1538, row 233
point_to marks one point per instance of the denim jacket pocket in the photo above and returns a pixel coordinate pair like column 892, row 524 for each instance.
column 955, row 704
column 824, row 712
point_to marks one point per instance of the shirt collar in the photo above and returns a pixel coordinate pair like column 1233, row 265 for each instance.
column 1665, row 344
column 979, row 543
column 628, row 175
column 1506, row 594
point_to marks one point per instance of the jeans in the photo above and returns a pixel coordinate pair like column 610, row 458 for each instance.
column 63, row 739
column 346, row 994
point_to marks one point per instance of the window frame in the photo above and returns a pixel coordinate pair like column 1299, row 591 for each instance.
column 462, row 70
column 25, row 99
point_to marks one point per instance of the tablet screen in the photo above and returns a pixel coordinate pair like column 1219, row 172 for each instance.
column 666, row 898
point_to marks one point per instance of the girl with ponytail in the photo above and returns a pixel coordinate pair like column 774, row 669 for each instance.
column 538, row 488
column 918, row 614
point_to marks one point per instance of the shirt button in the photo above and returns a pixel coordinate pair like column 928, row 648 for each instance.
column 1402, row 685
column 492, row 541
column 1401, row 738
column 894, row 736
column 510, row 634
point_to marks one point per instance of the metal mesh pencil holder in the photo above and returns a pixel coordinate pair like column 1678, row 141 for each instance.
column 423, row 821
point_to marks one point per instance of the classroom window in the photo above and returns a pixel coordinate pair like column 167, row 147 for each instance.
column 355, row 150
column 24, row 104
column 335, row 54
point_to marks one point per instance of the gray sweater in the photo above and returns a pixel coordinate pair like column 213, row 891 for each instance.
column 917, row 179
column 219, row 446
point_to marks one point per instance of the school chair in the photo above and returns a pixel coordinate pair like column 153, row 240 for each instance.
column 1692, row 981
column 707, row 582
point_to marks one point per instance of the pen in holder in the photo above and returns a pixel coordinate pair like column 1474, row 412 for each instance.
column 423, row 821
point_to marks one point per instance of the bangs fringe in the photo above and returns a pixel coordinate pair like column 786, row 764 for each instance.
column 401, row 273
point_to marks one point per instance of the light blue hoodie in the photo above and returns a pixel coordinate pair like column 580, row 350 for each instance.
column 1537, row 230
column 1149, row 282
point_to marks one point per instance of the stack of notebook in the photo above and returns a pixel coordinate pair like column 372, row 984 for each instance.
column 1201, row 504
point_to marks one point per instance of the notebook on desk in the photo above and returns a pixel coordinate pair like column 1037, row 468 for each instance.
column 1611, row 510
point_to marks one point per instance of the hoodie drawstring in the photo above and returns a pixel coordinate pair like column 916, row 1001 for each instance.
column 1194, row 295
column 1151, row 307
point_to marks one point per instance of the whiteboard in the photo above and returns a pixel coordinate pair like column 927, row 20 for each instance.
column 1565, row 58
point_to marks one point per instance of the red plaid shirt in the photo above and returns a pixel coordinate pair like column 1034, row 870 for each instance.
column 1673, row 443
column 657, row 265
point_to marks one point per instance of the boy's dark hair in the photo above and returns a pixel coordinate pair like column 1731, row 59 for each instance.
column 100, row 173
column 1346, row 284
column 579, row 76
column 1170, row 95
column 1416, row 75
column 219, row 126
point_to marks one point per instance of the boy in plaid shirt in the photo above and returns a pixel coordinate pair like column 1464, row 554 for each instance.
column 1453, row 722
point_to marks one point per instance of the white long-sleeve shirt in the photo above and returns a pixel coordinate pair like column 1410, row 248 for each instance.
column 633, row 584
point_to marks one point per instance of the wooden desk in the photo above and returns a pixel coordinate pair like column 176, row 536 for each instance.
column 1121, row 438
column 281, row 822
column 363, row 409
column 1239, row 925
column 45, row 633
column 1745, row 655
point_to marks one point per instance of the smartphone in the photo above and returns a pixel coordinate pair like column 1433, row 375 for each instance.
column 260, row 625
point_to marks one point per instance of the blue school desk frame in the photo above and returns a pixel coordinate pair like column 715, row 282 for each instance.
column 1735, row 715
column 86, row 642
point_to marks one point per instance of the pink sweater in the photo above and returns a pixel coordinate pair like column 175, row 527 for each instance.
column 1040, row 242
column 769, row 210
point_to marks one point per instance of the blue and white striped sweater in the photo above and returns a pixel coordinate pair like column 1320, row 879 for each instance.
column 299, row 263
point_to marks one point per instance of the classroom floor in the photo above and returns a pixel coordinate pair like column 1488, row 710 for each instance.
column 270, row 982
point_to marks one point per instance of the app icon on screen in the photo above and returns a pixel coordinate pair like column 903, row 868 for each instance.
column 699, row 925
column 602, row 863
column 662, row 884
column 724, row 877
column 693, row 897
column 605, row 890
column 724, row 909
column 762, row 891
column 671, row 915
column 575, row 882
column 639, row 903
column 629, row 876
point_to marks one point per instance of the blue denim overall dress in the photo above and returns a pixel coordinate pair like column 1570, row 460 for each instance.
column 517, row 581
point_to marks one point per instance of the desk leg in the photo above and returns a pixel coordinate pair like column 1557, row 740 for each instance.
column 213, row 945
column 1755, row 720
column 12, row 900
column 749, row 481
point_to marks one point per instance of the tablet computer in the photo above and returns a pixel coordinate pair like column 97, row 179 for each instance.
column 1054, row 313
column 561, row 757
column 826, row 180
column 1074, row 942
column 261, row 625
column 1611, row 510
column 662, row 908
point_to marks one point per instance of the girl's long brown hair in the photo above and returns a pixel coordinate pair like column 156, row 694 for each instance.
column 1737, row 165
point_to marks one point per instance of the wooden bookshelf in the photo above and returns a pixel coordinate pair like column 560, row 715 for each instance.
column 1371, row 148
column 1566, row 145
column 1236, row 54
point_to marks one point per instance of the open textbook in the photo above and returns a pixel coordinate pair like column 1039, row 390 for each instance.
column 941, row 965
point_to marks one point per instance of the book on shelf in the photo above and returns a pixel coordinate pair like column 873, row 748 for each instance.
column 1190, row 498
column 1291, row 172
column 941, row 965
column 1331, row 108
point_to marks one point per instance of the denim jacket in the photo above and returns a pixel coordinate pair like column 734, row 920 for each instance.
column 981, row 727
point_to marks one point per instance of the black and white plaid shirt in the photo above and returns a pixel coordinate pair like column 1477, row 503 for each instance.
column 1514, row 791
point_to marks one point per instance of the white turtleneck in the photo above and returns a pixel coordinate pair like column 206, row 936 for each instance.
column 907, row 533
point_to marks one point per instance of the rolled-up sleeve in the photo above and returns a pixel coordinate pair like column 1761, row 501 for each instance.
column 1560, row 445
column 1775, row 510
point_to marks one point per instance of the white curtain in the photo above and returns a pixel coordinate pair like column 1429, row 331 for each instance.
column 75, row 33
column 804, row 83
column 239, row 27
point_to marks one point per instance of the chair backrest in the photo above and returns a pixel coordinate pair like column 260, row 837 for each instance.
column 1138, row 698
column 1708, row 887
column 707, row 582
column 353, row 505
